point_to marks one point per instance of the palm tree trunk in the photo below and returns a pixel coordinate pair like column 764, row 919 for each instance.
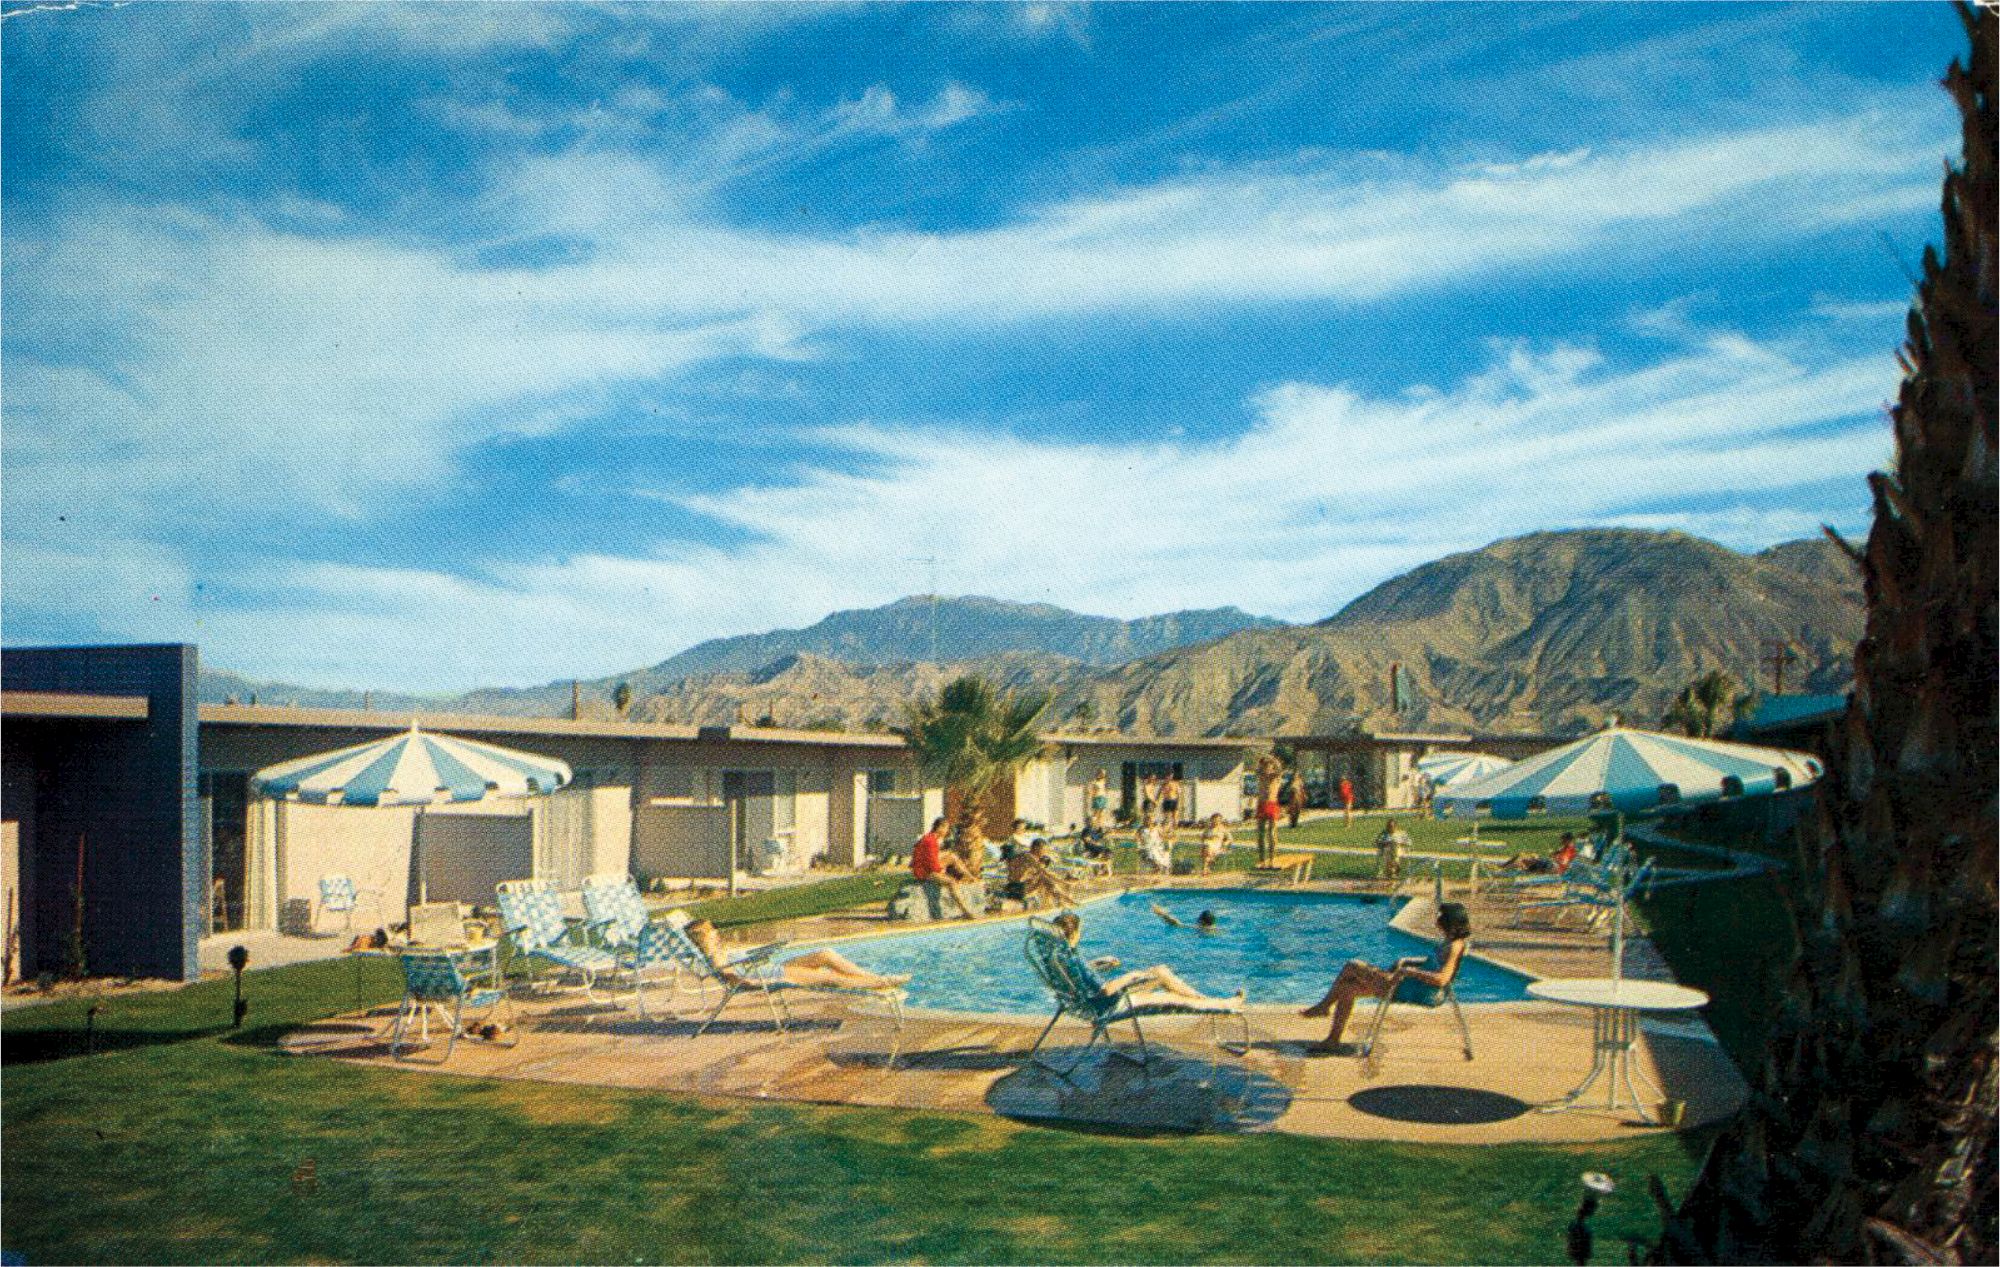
column 1870, row 1137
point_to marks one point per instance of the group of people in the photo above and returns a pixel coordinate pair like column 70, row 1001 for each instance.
column 1029, row 875
column 1417, row 979
column 1161, row 798
column 1413, row 979
column 1281, row 793
column 1028, row 867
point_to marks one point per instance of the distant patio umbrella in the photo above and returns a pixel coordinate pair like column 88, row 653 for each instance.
column 1448, row 769
column 413, row 768
column 1635, row 772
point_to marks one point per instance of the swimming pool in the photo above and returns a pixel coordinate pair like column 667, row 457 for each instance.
column 1277, row 947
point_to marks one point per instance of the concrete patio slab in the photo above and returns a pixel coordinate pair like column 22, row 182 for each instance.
column 1418, row 1088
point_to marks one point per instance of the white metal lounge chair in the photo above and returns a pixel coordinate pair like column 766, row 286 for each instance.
column 1592, row 899
column 614, row 911
column 1078, row 991
column 752, row 970
column 531, row 919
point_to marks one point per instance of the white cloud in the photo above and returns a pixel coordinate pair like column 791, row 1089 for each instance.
column 1326, row 231
column 254, row 364
column 167, row 367
column 258, row 368
column 1330, row 491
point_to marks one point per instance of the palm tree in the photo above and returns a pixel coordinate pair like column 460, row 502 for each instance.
column 1706, row 706
column 970, row 738
column 1871, row 1136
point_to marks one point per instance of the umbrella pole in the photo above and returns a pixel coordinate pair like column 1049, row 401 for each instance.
column 1618, row 933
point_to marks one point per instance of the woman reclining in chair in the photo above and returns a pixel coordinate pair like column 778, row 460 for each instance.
column 1158, row 983
column 816, row 967
column 1423, row 983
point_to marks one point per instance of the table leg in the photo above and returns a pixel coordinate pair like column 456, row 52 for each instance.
column 1626, row 1037
column 1601, row 1046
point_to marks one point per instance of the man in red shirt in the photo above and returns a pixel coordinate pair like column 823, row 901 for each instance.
column 934, row 868
column 1347, row 800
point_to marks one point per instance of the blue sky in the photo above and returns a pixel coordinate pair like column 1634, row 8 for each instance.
column 430, row 346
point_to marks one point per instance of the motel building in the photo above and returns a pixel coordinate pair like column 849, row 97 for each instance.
column 132, row 831
column 1382, row 765
column 115, row 775
column 1053, row 789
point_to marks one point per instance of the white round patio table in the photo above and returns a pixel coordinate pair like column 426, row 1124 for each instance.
column 1614, row 1023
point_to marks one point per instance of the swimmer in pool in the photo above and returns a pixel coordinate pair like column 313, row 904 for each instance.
column 1203, row 923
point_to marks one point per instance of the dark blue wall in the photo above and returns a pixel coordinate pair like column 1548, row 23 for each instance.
column 127, row 788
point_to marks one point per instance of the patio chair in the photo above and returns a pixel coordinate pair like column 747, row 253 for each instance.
column 617, row 920
column 1592, row 898
column 435, row 984
column 532, row 922
column 614, row 912
column 339, row 895
column 1581, row 871
column 1078, row 991
column 1446, row 993
column 751, row 970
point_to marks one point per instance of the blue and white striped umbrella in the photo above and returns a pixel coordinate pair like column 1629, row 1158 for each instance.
column 1633, row 771
column 413, row 769
column 1448, row 769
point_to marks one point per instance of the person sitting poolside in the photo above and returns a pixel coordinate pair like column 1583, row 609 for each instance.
column 1153, row 849
column 1158, row 983
column 1090, row 843
column 1028, row 876
column 1423, row 983
column 934, row 868
column 815, row 967
column 1556, row 863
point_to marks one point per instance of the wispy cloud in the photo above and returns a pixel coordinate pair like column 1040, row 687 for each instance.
column 231, row 304
column 290, row 349
column 1331, row 490
column 1332, row 230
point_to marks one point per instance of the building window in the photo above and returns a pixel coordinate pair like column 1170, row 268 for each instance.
column 888, row 783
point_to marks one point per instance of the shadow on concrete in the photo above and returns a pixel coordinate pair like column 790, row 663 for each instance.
column 1175, row 1093
column 970, row 1058
column 1438, row 1106
column 615, row 1023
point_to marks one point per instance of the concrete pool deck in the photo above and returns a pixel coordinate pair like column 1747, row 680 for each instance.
column 1419, row 1088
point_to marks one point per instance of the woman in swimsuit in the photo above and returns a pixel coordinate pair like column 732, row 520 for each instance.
column 1424, row 980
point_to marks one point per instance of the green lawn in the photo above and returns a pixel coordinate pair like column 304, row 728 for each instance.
column 799, row 901
column 1441, row 837
column 180, row 1140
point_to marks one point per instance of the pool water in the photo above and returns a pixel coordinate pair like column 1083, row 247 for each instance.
column 1277, row 947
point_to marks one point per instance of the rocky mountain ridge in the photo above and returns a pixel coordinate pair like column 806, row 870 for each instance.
column 1545, row 632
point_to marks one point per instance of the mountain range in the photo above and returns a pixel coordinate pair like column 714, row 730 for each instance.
column 1545, row 632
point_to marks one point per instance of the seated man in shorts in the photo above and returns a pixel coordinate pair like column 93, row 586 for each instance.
column 936, row 869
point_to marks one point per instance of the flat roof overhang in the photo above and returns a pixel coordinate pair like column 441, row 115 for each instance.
column 65, row 704
column 1154, row 741
column 1373, row 738
column 253, row 715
